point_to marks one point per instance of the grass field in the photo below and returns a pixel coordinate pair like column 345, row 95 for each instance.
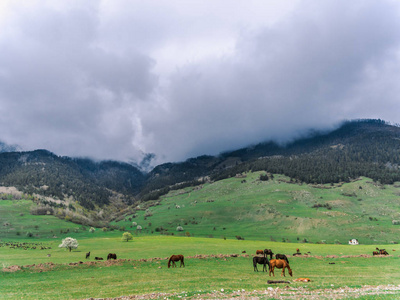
column 200, row 276
column 276, row 214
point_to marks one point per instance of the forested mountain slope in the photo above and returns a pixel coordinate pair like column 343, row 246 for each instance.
column 368, row 148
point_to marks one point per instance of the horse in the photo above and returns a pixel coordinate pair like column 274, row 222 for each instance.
column 175, row 258
column 280, row 264
column 262, row 261
column 111, row 256
column 259, row 252
column 268, row 252
column 98, row 258
column 375, row 253
column 383, row 252
column 87, row 255
column 281, row 256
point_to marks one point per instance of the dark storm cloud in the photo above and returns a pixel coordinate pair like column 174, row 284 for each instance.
column 114, row 79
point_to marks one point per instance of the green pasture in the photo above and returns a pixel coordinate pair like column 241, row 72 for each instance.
column 200, row 276
column 277, row 210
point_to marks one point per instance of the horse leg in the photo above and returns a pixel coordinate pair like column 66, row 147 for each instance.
column 271, row 270
column 283, row 272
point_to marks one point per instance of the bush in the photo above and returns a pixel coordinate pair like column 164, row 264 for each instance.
column 29, row 234
column 179, row 228
column 92, row 230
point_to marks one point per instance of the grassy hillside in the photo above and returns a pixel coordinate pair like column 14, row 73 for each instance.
column 277, row 210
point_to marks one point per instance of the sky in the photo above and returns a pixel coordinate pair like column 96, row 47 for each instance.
column 117, row 79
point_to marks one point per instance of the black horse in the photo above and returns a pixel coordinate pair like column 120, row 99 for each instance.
column 268, row 252
column 87, row 255
column 281, row 256
column 262, row 261
column 111, row 256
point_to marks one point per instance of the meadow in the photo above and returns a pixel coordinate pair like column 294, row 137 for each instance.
column 218, row 219
column 328, row 266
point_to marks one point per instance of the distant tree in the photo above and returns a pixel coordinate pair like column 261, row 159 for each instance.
column 69, row 243
column 127, row 236
column 139, row 227
column 179, row 228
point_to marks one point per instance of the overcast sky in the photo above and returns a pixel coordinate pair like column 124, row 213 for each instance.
column 115, row 79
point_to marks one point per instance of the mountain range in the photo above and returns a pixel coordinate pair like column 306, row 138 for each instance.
column 357, row 148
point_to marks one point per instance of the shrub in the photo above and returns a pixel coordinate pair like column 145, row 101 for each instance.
column 29, row 234
column 179, row 228
column 134, row 224
column 395, row 222
column 92, row 230
column 104, row 229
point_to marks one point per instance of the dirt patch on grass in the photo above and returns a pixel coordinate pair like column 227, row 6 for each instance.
column 275, row 292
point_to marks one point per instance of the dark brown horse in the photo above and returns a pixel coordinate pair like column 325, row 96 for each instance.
column 111, row 256
column 268, row 252
column 262, row 261
column 280, row 264
column 175, row 258
column 87, row 255
column 259, row 252
column 281, row 256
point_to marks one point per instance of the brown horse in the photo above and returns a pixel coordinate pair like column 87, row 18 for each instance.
column 175, row 258
column 268, row 252
column 280, row 264
column 111, row 256
column 259, row 252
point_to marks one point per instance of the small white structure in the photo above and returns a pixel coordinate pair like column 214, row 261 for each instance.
column 353, row 242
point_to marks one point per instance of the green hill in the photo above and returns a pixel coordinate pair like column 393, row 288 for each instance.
column 277, row 210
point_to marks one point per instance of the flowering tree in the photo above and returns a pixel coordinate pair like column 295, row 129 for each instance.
column 69, row 243
column 92, row 230
column 127, row 236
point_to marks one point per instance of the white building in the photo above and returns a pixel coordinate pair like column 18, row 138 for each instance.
column 353, row 242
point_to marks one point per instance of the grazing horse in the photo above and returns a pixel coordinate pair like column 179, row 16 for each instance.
column 87, row 255
column 268, row 252
column 111, row 256
column 383, row 252
column 98, row 258
column 375, row 253
column 280, row 264
column 175, row 258
column 262, row 261
column 281, row 256
column 259, row 252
